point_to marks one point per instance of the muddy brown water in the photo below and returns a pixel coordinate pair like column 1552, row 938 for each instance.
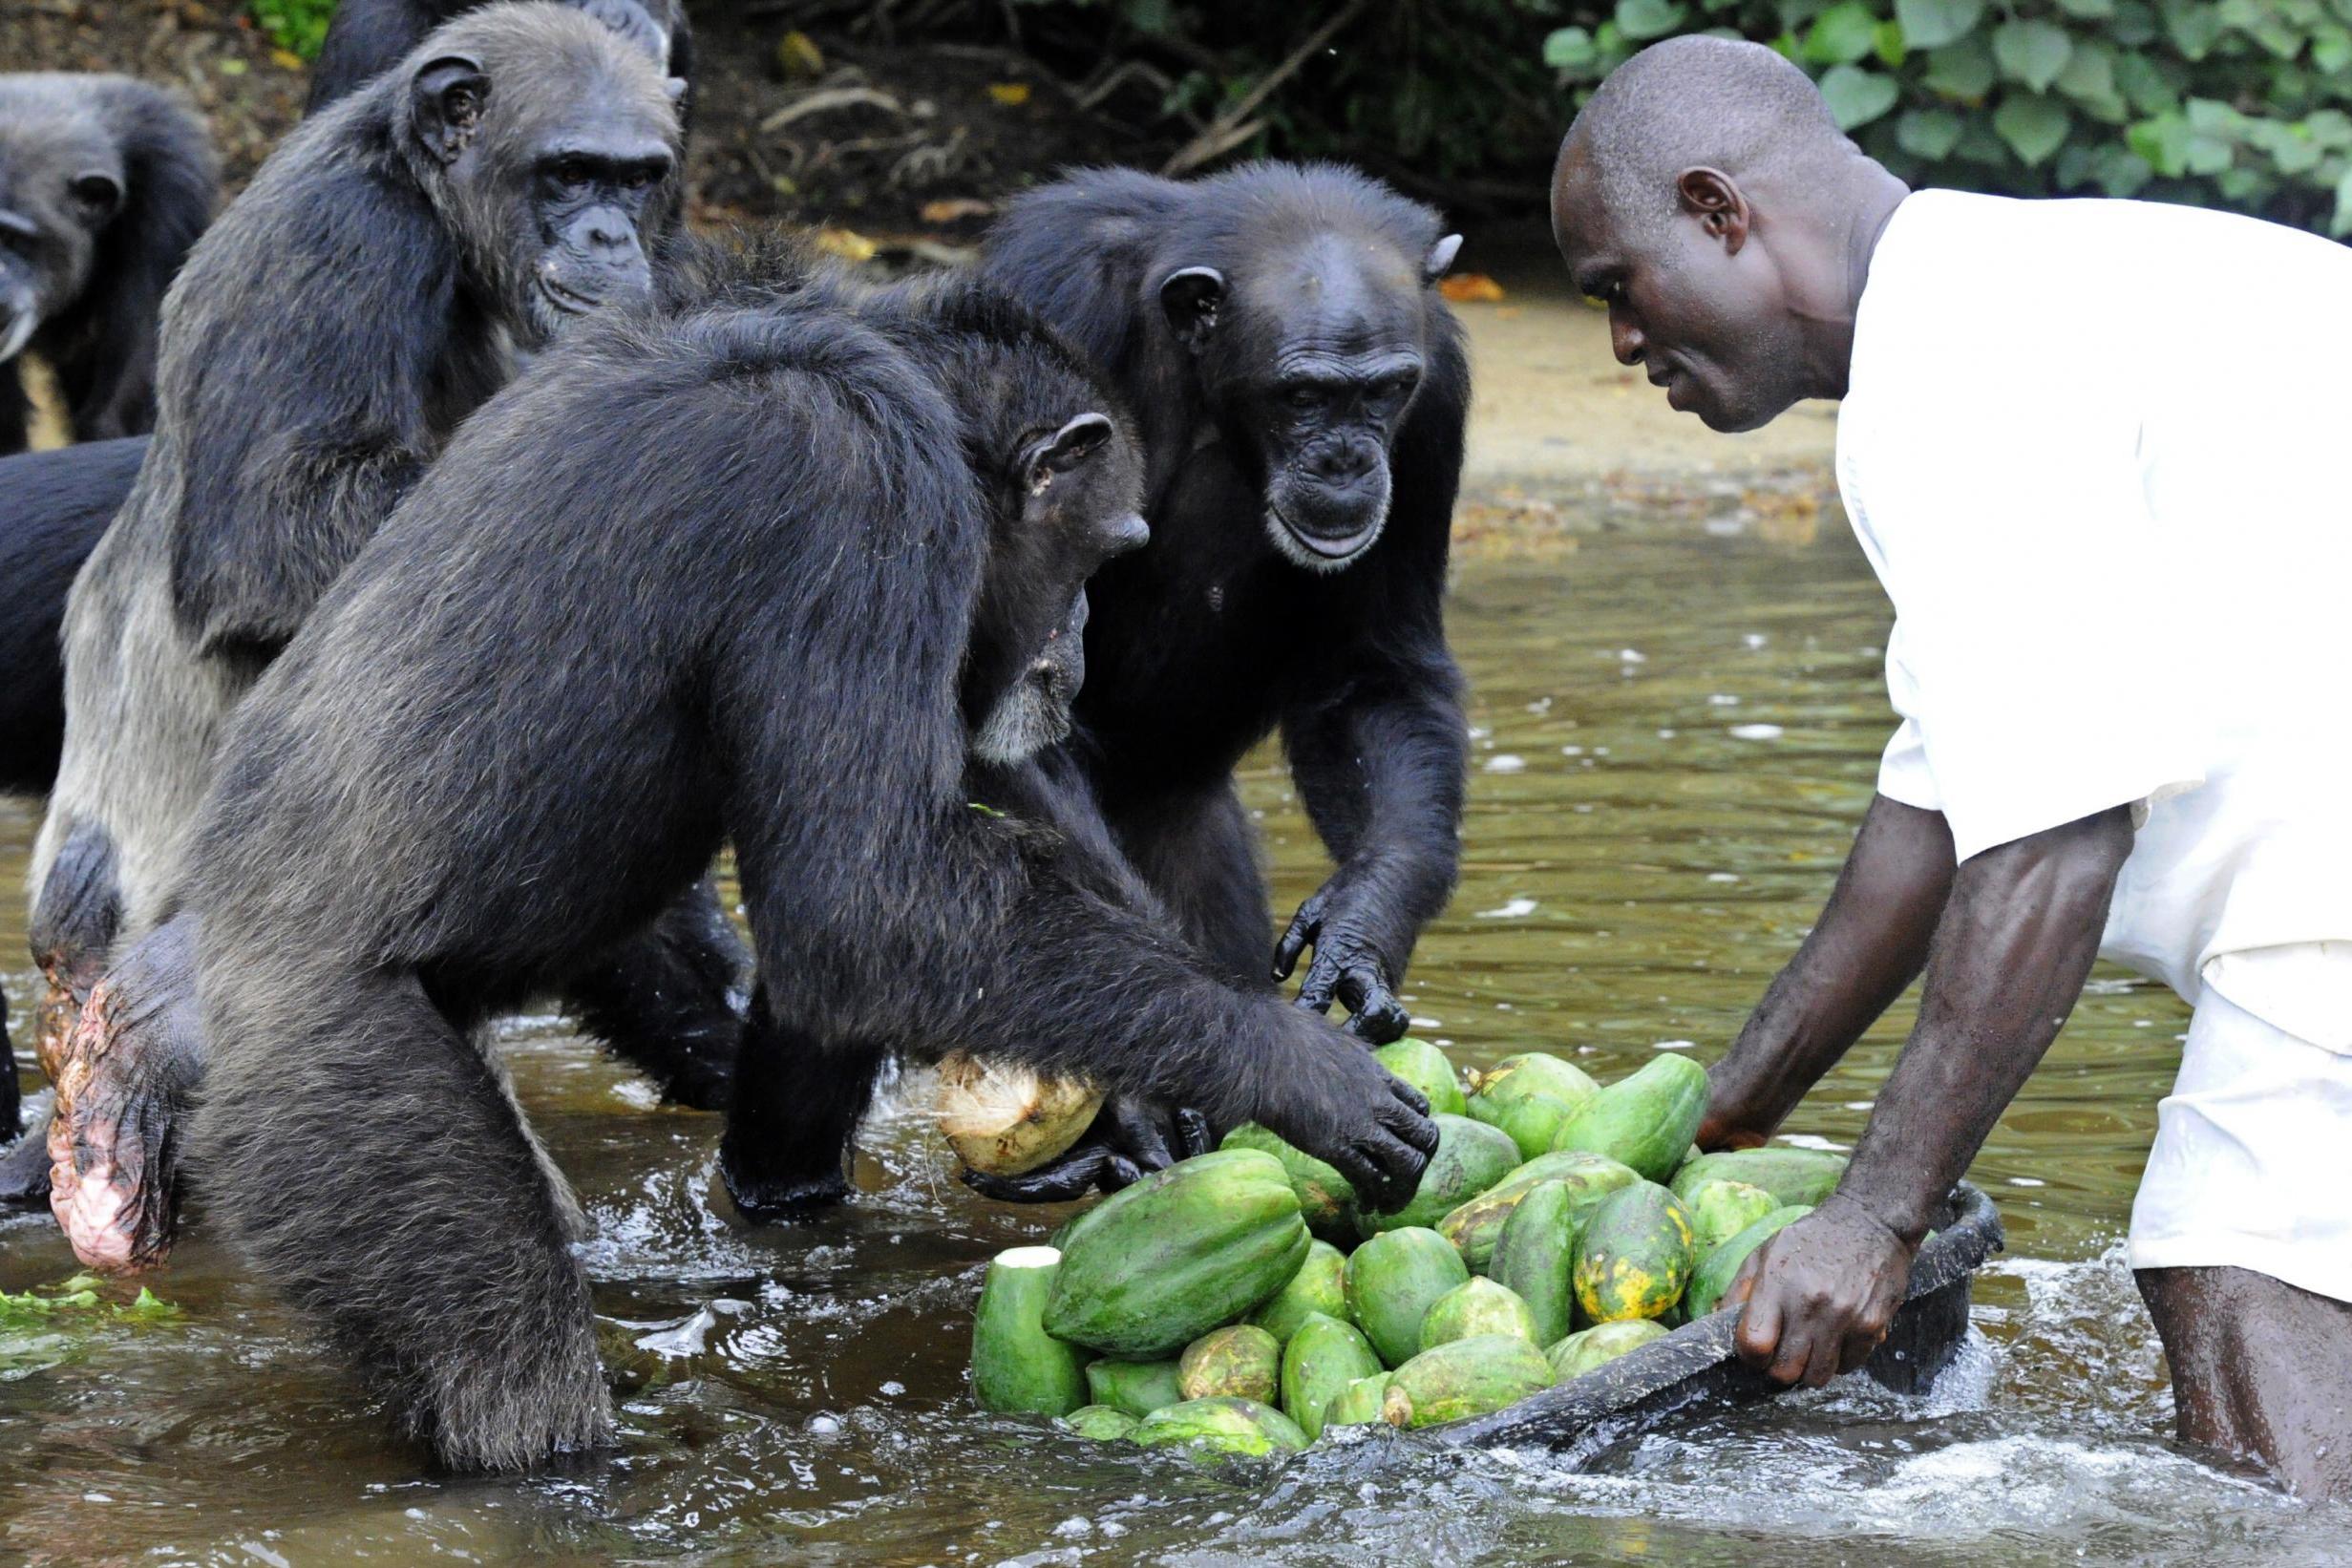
column 1674, row 740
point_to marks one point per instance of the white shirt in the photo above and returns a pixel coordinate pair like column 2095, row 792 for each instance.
column 2100, row 454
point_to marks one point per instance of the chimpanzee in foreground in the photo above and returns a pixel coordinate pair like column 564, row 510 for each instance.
column 363, row 296
column 1302, row 390
column 368, row 37
column 840, row 606
column 104, row 185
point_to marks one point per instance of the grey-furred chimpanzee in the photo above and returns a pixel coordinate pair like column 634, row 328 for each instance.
column 366, row 293
column 367, row 38
column 104, row 185
column 715, row 572
column 1302, row 390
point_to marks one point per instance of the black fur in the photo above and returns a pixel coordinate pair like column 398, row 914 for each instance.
column 98, row 275
column 53, row 505
column 368, row 37
column 522, row 723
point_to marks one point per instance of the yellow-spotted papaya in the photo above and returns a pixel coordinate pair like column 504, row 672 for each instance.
column 1634, row 1255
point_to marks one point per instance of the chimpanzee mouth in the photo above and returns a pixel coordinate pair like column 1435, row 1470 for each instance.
column 571, row 301
column 19, row 332
column 1321, row 551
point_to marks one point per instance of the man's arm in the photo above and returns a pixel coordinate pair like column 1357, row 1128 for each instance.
column 2016, row 940
column 1871, row 941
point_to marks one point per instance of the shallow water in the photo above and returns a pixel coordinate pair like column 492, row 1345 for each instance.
column 1675, row 740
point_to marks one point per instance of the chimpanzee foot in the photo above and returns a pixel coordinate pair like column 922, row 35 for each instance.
column 123, row 1084
column 769, row 1199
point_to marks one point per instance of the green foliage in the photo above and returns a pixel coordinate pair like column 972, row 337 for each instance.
column 298, row 26
column 2239, row 103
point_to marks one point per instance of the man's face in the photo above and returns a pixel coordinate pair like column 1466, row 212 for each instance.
column 1694, row 298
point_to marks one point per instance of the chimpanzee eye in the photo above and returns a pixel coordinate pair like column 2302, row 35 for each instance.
column 1303, row 397
column 572, row 173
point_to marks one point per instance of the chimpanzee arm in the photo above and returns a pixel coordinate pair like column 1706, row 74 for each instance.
column 1377, row 741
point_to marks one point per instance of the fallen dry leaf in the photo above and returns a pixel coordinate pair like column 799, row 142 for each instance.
column 1469, row 287
column 1011, row 95
column 956, row 209
column 847, row 244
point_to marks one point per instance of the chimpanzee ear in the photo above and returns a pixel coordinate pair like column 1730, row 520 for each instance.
column 98, row 193
column 676, row 87
column 1440, row 257
column 1189, row 299
column 1064, row 449
column 446, row 98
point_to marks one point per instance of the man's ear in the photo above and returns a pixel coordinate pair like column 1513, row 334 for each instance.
column 1714, row 198
column 446, row 97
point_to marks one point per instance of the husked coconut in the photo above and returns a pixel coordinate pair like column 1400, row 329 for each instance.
column 1003, row 1119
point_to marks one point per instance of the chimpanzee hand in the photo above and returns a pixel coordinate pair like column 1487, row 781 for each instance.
column 1347, row 967
column 1334, row 1101
column 1128, row 1138
column 1820, row 1295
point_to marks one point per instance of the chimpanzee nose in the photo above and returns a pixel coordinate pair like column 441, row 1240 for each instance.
column 1341, row 462
column 610, row 230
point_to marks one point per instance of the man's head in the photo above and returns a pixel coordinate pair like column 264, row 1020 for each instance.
column 1706, row 195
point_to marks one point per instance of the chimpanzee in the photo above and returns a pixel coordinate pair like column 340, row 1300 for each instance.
column 104, row 185
column 1301, row 390
column 367, row 38
column 364, row 295
column 831, row 617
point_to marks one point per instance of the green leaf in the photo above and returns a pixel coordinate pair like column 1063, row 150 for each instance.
column 2134, row 24
column 2122, row 172
column 1570, row 48
column 2163, row 141
column 1842, row 34
column 2330, row 128
column 2089, row 81
column 2034, row 127
column 1856, row 97
column 1932, row 24
column 2194, row 25
column 2089, row 10
column 1795, row 13
column 2032, row 52
column 2331, row 51
column 1645, row 19
column 1886, row 42
column 1928, row 133
column 2341, row 224
column 1962, row 71
column 2144, row 86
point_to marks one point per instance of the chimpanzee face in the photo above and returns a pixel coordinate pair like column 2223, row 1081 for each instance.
column 551, row 180
column 1072, row 500
column 1310, row 365
column 61, row 184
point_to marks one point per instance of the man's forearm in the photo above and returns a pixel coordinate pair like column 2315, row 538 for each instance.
column 2017, row 938
column 1871, row 941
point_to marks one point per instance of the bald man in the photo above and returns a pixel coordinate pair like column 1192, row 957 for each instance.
column 2096, row 454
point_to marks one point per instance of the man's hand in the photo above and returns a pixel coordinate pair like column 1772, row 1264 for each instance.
column 1348, row 967
column 1821, row 1295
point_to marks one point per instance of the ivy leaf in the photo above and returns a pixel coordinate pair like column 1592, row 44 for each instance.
column 1962, row 71
column 2144, row 86
column 2089, row 10
column 1570, row 48
column 1842, row 34
column 1932, row 24
column 2134, row 24
column 2032, row 52
column 2194, row 25
column 2341, row 226
column 2090, row 80
column 2163, row 141
column 2034, row 127
column 1645, row 19
column 1886, row 41
column 1856, row 97
column 1928, row 133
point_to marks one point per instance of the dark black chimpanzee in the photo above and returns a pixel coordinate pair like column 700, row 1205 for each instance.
column 840, row 605
column 1302, row 390
column 104, row 185
column 368, row 37
column 368, row 291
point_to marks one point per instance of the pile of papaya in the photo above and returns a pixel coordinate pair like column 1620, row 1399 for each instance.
column 1244, row 1302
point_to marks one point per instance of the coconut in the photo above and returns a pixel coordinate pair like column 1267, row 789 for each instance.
column 1003, row 1119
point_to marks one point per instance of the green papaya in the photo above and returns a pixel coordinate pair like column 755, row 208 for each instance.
column 1426, row 1068
column 1470, row 1157
column 1321, row 1358
column 1473, row 1309
column 1326, row 1202
column 1476, row 1227
column 1219, row 1426
column 1241, row 1362
column 1533, row 1074
column 1358, row 1404
column 1634, row 1255
column 1017, row 1364
column 1534, row 1255
column 1720, row 1210
column 1792, row 1175
column 1596, row 1346
column 1392, row 1280
column 1464, row 1378
column 1101, row 1423
column 1721, row 1264
column 1161, row 1263
column 1316, row 1288
column 1645, row 1120
column 1136, row 1386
